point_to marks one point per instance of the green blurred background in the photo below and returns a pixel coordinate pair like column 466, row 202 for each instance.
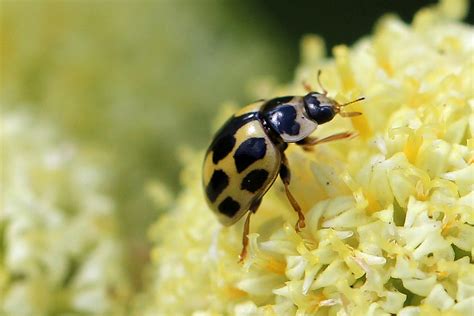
column 136, row 80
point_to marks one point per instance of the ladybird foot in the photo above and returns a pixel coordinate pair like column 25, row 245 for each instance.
column 245, row 237
column 300, row 224
column 243, row 255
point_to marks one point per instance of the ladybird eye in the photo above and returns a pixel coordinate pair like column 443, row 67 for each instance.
column 325, row 114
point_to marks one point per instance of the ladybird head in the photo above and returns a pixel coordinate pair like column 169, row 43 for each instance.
column 322, row 109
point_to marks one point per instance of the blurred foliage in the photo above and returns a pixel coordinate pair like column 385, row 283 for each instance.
column 134, row 79
column 339, row 21
column 132, row 75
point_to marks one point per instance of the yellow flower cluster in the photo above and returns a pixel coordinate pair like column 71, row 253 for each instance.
column 389, row 214
column 60, row 253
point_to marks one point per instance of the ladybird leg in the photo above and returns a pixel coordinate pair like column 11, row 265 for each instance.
column 307, row 87
column 320, row 84
column 308, row 142
column 285, row 176
column 245, row 239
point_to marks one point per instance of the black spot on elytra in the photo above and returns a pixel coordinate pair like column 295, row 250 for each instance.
column 254, row 180
column 222, row 147
column 229, row 207
column 224, row 140
column 283, row 120
column 248, row 152
column 219, row 181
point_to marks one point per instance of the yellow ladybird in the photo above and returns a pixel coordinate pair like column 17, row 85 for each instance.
column 247, row 153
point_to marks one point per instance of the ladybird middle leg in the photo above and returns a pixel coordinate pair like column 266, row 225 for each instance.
column 245, row 238
column 285, row 176
column 308, row 142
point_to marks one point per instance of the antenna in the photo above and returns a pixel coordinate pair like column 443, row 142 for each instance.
column 353, row 101
column 349, row 114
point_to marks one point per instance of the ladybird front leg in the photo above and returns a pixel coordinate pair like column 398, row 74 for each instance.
column 308, row 142
column 245, row 238
column 285, row 176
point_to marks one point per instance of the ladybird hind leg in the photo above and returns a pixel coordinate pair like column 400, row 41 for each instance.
column 245, row 238
column 285, row 176
column 308, row 142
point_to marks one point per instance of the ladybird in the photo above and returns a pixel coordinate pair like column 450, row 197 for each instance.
column 248, row 152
